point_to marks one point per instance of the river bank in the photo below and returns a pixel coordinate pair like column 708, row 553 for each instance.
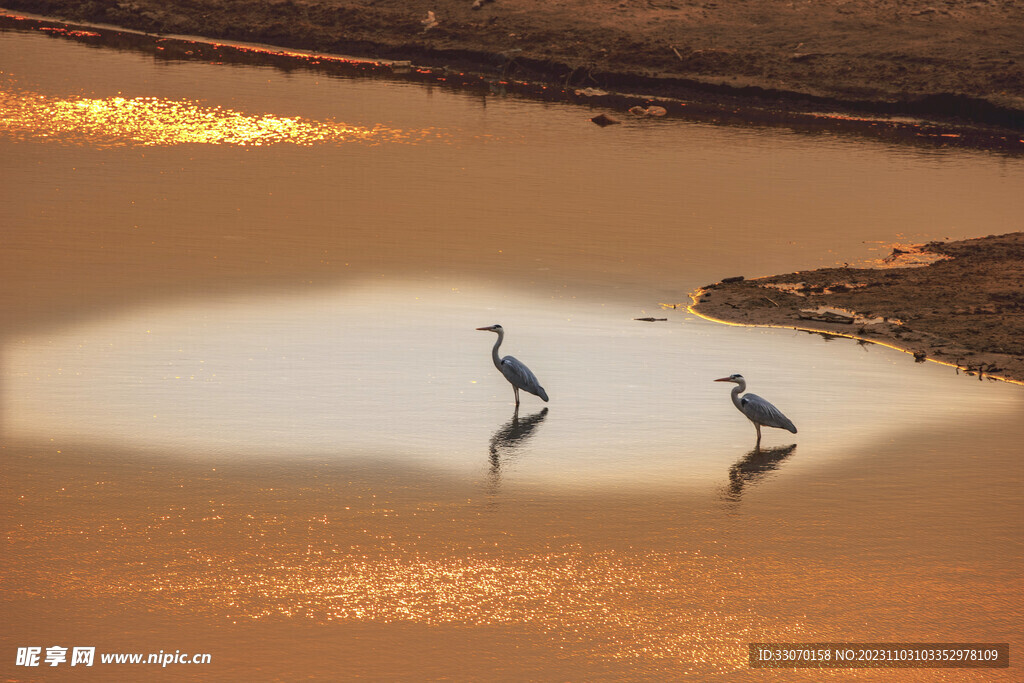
column 953, row 60
column 966, row 308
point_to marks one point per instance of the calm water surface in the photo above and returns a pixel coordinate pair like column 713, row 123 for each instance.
column 245, row 410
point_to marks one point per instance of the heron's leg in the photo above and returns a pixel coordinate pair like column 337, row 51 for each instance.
column 516, row 389
column 758, row 428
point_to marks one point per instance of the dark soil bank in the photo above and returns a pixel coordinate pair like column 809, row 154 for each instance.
column 946, row 59
column 967, row 309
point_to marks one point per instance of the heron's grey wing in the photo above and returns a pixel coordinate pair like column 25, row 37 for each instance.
column 520, row 376
column 763, row 412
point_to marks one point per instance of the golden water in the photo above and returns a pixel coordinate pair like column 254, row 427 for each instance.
column 245, row 410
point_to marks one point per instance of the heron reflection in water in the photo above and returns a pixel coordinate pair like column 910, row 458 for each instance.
column 509, row 438
column 752, row 467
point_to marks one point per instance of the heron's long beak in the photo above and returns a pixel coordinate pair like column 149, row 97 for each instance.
column 485, row 329
column 724, row 379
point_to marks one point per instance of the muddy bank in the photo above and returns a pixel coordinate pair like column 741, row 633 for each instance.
column 953, row 60
column 966, row 308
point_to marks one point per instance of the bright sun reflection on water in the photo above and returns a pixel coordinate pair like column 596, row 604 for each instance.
column 157, row 121
column 336, row 373
column 565, row 592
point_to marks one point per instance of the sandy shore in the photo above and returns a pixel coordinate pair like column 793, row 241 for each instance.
column 955, row 59
column 965, row 309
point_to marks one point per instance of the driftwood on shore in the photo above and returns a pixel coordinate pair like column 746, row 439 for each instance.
column 827, row 317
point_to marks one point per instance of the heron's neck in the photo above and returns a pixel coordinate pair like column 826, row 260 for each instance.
column 494, row 352
column 736, row 391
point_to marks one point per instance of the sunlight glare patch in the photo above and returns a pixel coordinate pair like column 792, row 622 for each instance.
column 155, row 121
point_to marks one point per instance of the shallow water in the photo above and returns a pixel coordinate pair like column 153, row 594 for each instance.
column 246, row 411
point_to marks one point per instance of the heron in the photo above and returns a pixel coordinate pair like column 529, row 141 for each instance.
column 757, row 410
column 518, row 375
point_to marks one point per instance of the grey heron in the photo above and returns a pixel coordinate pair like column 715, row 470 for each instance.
column 518, row 375
column 757, row 410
